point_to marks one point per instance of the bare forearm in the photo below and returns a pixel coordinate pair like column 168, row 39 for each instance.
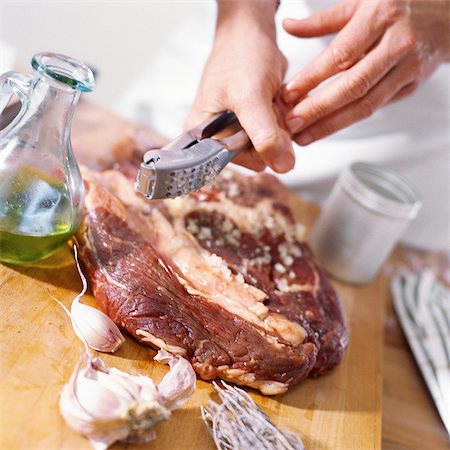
column 245, row 16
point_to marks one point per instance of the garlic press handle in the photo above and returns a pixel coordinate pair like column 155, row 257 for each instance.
column 237, row 142
column 213, row 125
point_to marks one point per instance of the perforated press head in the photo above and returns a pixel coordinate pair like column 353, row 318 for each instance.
column 172, row 173
column 190, row 161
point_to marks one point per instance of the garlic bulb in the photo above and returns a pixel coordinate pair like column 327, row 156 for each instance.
column 92, row 326
column 108, row 405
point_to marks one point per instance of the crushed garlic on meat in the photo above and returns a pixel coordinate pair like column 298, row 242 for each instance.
column 280, row 268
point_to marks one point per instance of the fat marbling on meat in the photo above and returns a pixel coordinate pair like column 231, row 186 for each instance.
column 221, row 277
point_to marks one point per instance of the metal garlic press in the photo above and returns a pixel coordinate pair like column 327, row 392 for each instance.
column 191, row 160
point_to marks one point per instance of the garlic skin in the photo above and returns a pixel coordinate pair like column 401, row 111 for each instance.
column 95, row 327
column 176, row 387
column 108, row 405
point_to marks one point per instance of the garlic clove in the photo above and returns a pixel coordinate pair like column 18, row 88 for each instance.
column 92, row 325
column 99, row 401
column 102, row 433
column 123, row 384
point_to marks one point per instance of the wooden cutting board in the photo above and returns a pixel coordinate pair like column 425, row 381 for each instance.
column 341, row 410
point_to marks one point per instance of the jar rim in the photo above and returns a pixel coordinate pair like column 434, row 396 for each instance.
column 381, row 190
column 64, row 69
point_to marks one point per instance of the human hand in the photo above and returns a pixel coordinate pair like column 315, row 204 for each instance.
column 243, row 74
column 383, row 51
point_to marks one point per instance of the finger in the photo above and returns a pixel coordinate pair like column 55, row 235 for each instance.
column 360, row 109
column 281, row 110
column 197, row 116
column 404, row 92
column 360, row 33
column 355, row 83
column 250, row 159
column 273, row 144
column 326, row 21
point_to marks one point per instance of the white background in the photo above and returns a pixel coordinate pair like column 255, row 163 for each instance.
column 117, row 38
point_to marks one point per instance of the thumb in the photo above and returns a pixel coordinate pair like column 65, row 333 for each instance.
column 326, row 21
column 273, row 144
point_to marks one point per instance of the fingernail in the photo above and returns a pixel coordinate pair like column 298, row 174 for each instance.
column 290, row 85
column 284, row 162
column 304, row 139
column 295, row 124
column 290, row 97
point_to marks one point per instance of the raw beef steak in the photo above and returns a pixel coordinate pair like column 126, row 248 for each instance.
column 221, row 276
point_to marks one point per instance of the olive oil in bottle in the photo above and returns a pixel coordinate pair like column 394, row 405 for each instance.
column 35, row 216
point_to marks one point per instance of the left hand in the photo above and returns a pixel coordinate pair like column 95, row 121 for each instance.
column 383, row 51
column 243, row 74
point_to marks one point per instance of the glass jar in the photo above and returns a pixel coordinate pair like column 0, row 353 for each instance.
column 366, row 213
column 41, row 189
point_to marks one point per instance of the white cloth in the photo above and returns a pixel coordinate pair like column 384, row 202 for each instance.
column 411, row 136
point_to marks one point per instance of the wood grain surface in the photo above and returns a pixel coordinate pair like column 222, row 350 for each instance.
column 341, row 410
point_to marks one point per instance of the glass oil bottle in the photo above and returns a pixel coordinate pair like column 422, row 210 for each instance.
column 41, row 189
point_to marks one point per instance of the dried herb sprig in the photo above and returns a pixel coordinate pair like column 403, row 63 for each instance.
column 239, row 424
